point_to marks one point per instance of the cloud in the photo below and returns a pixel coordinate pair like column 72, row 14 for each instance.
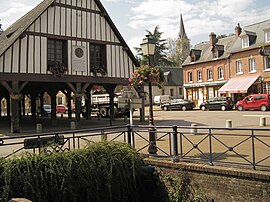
column 200, row 17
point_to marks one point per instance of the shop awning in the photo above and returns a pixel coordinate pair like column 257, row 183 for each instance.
column 238, row 85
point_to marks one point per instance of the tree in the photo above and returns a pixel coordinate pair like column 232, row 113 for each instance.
column 160, row 57
column 178, row 50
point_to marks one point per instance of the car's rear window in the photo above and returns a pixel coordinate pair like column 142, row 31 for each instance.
column 259, row 97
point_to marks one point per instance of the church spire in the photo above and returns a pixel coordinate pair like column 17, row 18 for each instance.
column 182, row 32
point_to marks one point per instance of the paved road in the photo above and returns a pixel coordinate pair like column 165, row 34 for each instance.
column 246, row 119
column 211, row 118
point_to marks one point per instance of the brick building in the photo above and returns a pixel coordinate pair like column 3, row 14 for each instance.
column 206, row 68
column 249, row 70
column 230, row 66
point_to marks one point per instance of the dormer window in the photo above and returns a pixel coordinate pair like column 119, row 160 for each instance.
column 195, row 55
column 215, row 53
column 267, row 36
column 245, row 42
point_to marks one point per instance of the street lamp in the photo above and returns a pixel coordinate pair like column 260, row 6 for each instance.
column 148, row 48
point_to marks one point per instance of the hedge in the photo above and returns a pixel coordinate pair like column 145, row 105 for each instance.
column 104, row 171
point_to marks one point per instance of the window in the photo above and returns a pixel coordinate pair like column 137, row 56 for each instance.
column 209, row 74
column 57, row 52
column 180, row 91
column 239, row 67
column 98, row 59
column 189, row 76
column 266, row 63
column 220, row 73
column 199, row 75
column 252, row 65
column 267, row 36
column 59, row 100
column 171, row 92
column 245, row 42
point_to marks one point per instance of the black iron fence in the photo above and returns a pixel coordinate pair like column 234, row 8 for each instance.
column 243, row 147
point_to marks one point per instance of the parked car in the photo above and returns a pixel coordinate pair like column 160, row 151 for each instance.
column 178, row 104
column 47, row 110
column 217, row 103
column 254, row 102
column 161, row 99
column 61, row 109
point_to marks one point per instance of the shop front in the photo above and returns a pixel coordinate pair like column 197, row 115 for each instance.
column 201, row 92
column 238, row 88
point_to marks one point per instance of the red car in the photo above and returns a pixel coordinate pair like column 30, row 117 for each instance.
column 61, row 109
column 254, row 102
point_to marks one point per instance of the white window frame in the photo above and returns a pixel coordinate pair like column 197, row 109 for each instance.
column 220, row 73
column 266, row 61
column 239, row 67
column 199, row 76
column 245, row 42
column 252, row 65
column 190, row 77
column 267, row 36
column 209, row 74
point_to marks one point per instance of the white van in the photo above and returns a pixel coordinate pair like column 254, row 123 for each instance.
column 161, row 99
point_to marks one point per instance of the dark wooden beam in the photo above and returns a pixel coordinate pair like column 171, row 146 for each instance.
column 65, row 79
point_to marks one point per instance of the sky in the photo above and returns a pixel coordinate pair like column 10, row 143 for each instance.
column 134, row 17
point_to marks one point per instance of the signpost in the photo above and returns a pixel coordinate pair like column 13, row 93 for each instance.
column 130, row 99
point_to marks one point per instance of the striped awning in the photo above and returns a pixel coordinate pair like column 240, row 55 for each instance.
column 238, row 85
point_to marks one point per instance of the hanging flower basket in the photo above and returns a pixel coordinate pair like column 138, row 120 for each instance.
column 146, row 74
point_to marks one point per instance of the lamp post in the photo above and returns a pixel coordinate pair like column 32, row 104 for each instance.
column 148, row 49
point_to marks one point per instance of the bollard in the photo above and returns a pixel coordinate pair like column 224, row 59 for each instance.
column 228, row 123
column 193, row 129
column 72, row 125
column 39, row 128
column 262, row 121
column 62, row 116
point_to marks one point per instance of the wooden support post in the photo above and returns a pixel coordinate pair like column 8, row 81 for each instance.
column 53, row 105
column 68, row 95
column 15, row 98
column 33, row 105
column 23, row 105
column 8, row 105
column 88, row 104
column 78, row 104
column 1, row 106
column 110, row 90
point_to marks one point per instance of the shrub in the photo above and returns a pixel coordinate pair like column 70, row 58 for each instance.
column 105, row 171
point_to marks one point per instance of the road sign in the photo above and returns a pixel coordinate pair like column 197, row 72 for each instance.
column 136, row 103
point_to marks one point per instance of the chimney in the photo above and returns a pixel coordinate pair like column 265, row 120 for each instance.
column 213, row 39
column 238, row 30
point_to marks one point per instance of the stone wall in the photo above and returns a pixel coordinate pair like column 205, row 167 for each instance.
column 215, row 183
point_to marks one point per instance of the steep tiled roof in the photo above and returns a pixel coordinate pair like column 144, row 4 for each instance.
column 255, row 30
column 223, row 44
column 14, row 31
column 177, row 76
column 9, row 36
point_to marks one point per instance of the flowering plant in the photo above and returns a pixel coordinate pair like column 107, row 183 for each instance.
column 146, row 74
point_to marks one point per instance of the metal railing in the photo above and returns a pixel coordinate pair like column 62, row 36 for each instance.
column 242, row 147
